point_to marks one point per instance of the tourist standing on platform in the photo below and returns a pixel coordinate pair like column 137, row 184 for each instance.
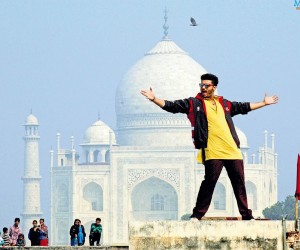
column 20, row 241
column 81, row 234
column 74, row 233
column 43, row 233
column 214, row 135
column 95, row 233
column 6, row 237
column 14, row 232
column 34, row 234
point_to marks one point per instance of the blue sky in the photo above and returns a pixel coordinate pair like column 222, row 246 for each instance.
column 64, row 59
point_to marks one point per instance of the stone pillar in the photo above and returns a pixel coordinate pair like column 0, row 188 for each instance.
column 31, row 178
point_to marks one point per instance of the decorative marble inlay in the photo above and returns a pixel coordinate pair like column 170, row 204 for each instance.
column 152, row 120
column 86, row 180
column 120, row 204
column 137, row 175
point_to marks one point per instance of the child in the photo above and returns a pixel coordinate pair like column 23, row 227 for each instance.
column 6, row 237
column 21, row 241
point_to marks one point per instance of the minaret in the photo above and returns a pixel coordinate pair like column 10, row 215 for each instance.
column 31, row 178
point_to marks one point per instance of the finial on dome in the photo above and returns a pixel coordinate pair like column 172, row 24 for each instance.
column 72, row 142
column 99, row 116
column 166, row 26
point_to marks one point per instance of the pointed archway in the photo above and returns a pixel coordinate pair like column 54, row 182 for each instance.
column 93, row 194
column 154, row 199
column 251, row 195
column 219, row 197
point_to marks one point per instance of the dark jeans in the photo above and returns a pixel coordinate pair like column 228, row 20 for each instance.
column 235, row 171
column 95, row 237
column 35, row 242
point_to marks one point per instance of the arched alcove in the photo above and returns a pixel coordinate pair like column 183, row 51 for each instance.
column 219, row 197
column 62, row 198
column 93, row 194
column 154, row 199
column 107, row 156
column 61, row 228
column 97, row 156
column 251, row 195
column 87, row 225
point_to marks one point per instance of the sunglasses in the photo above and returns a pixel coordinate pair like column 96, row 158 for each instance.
column 206, row 86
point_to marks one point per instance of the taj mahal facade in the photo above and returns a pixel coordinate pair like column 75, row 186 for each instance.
column 147, row 168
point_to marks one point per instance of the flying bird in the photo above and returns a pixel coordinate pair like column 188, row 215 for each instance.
column 193, row 22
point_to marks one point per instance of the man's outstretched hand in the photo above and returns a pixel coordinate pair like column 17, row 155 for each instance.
column 149, row 94
column 268, row 100
column 271, row 99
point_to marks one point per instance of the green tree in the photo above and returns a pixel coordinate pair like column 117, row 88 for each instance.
column 281, row 208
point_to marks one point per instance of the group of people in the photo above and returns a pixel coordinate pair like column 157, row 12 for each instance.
column 77, row 233
column 38, row 234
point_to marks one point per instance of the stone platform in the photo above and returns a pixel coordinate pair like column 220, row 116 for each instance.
column 117, row 247
column 207, row 235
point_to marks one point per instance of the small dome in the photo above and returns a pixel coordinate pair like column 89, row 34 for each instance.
column 242, row 137
column 99, row 133
column 31, row 120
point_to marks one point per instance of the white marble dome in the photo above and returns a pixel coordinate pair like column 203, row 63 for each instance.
column 172, row 74
column 242, row 138
column 31, row 120
column 99, row 133
column 169, row 70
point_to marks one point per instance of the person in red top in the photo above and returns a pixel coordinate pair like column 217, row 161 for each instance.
column 43, row 233
column 215, row 136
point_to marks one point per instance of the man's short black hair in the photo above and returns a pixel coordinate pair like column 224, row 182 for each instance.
column 214, row 79
column 5, row 229
column 17, row 219
column 98, row 219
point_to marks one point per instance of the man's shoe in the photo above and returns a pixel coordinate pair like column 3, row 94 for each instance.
column 194, row 216
column 248, row 218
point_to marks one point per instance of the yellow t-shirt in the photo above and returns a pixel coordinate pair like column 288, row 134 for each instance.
column 220, row 144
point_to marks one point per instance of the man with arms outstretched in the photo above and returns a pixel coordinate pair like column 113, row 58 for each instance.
column 214, row 135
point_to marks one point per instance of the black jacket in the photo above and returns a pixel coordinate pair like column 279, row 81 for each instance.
column 74, row 230
column 195, row 109
column 34, row 236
